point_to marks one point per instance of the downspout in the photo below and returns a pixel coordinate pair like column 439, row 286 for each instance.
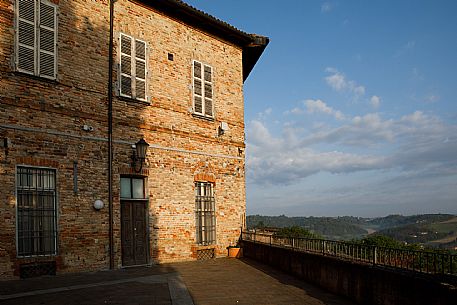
column 110, row 135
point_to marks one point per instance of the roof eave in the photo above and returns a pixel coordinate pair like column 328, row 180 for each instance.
column 251, row 44
column 252, row 53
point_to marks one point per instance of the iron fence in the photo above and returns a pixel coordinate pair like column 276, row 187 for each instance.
column 420, row 261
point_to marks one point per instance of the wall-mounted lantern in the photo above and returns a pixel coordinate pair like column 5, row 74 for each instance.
column 139, row 155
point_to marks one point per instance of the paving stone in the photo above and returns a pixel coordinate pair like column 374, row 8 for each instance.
column 219, row 282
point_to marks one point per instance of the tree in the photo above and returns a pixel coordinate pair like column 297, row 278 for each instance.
column 295, row 232
column 381, row 241
column 259, row 225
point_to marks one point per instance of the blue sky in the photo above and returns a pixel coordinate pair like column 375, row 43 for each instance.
column 352, row 109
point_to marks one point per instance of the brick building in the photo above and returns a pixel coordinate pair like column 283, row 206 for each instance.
column 74, row 195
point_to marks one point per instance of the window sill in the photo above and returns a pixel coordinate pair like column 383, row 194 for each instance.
column 36, row 77
column 133, row 101
column 37, row 256
column 134, row 199
column 200, row 116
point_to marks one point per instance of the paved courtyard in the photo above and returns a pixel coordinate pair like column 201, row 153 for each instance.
column 218, row 282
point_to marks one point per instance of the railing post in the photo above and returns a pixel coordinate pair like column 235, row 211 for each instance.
column 450, row 264
column 434, row 262
column 270, row 239
column 375, row 255
column 323, row 247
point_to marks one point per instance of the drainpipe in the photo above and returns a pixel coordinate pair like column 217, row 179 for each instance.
column 110, row 135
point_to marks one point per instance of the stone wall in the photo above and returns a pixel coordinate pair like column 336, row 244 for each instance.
column 362, row 283
column 42, row 121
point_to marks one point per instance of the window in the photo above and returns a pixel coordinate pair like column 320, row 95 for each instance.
column 133, row 68
column 36, row 38
column 36, row 212
column 205, row 208
column 203, row 89
column 132, row 188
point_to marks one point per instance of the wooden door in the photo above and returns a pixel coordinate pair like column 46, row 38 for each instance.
column 134, row 237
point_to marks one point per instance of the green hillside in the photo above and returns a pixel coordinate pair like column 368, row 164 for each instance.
column 432, row 232
column 347, row 227
column 431, row 229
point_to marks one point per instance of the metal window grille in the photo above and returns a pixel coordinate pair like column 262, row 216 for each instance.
column 36, row 212
column 205, row 208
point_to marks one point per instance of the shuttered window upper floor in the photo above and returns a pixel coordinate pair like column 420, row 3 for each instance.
column 133, row 68
column 202, row 82
column 36, row 53
column 36, row 38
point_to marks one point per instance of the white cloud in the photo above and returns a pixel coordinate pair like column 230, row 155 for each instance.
column 432, row 98
column 296, row 111
column 413, row 143
column 375, row 101
column 405, row 48
column 338, row 82
column 318, row 106
column 282, row 161
column 326, row 7
column 264, row 114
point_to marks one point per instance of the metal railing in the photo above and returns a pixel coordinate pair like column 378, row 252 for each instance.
column 420, row 261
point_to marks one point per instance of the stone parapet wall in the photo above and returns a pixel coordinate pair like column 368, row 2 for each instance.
column 362, row 283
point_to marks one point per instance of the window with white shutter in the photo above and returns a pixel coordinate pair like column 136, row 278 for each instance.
column 36, row 38
column 133, row 68
column 202, row 81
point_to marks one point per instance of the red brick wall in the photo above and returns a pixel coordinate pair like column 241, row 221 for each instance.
column 43, row 122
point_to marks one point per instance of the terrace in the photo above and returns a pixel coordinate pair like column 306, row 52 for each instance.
column 362, row 273
column 219, row 282
column 273, row 271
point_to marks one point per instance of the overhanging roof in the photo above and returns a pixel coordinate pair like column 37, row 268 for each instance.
column 253, row 45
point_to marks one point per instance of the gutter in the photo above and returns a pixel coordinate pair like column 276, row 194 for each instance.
column 110, row 135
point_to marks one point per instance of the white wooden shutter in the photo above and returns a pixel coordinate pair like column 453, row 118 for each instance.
column 125, row 78
column 26, row 36
column 140, row 70
column 208, row 90
column 47, row 40
column 198, row 87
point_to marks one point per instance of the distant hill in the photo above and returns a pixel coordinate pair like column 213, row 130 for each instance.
column 433, row 231
column 346, row 227
column 392, row 221
column 430, row 229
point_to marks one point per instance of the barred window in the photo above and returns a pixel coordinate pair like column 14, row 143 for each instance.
column 205, row 208
column 36, row 212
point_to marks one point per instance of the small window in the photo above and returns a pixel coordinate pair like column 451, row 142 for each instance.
column 205, row 213
column 132, row 188
column 36, row 38
column 133, row 68
column 36, row 211
column 202, row 83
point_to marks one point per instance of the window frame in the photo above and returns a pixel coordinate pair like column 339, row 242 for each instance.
column 203, row 95
column 133, row 63
column 55, row 211
column 204, row 237
column 37, row 50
